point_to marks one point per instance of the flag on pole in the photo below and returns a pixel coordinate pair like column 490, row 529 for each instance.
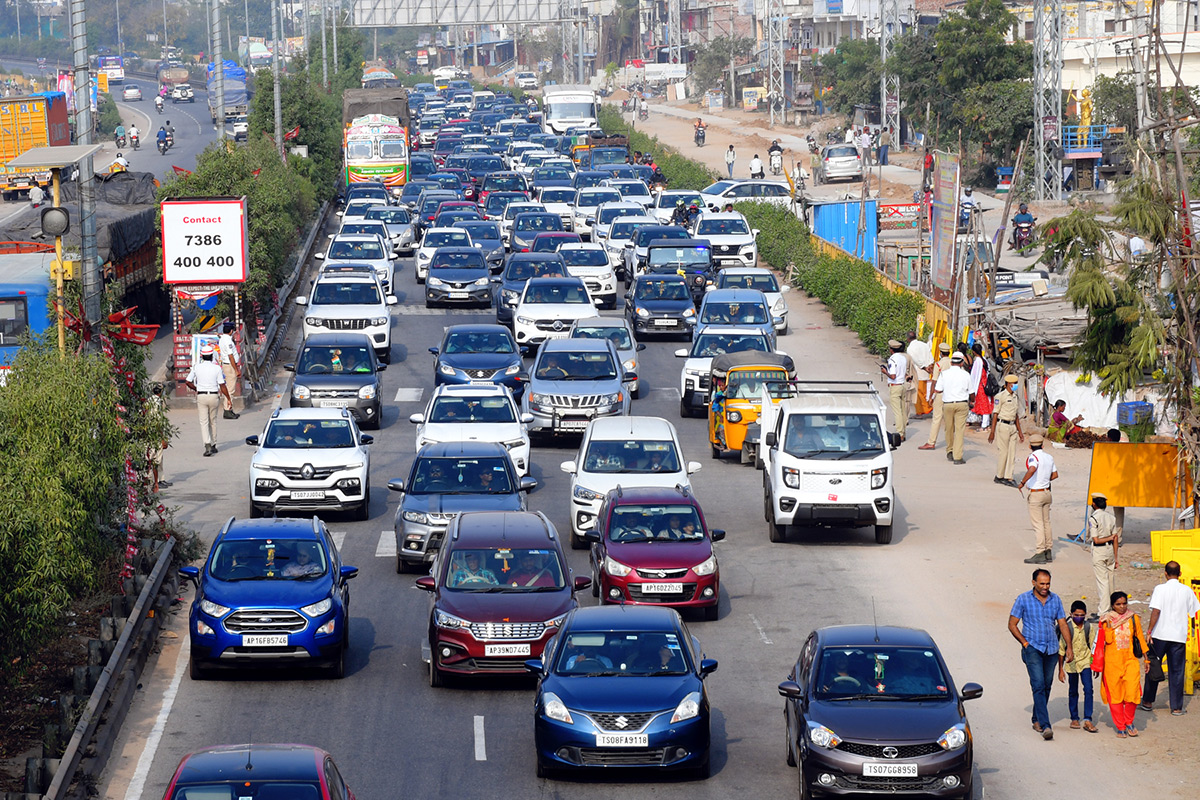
column 292, row 134
column 181, row 171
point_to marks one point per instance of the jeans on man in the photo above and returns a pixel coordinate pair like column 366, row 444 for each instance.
column 1174, row 652
column 730, row 165
column 883, row 154
column 1073, row 681
column 1041, row 668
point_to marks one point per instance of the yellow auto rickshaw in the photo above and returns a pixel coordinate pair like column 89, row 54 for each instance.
column 738, row 381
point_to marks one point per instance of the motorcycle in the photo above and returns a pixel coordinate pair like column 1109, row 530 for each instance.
column 699, row 137
column 134, row 140
column 757, row 176
column 165, row 144
column 158, row 104
column 965, row 210
column 1023, row 235
column 119, row 140
column 643, row 113
column 812, row 144
column 776, row 163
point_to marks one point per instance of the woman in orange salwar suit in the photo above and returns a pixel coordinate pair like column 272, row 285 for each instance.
column 1119, row 669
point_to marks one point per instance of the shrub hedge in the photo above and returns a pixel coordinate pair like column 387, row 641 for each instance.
column 681, row 171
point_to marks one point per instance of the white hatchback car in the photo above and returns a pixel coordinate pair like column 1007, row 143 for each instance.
column 475, row 413
column 549, row 307
column 433, row 239
column 627, row 451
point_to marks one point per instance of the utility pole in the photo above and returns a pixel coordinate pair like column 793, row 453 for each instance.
column 17, row 3
column 889, row 79
column 776, row 42
column 164, row 41
column 92, row 286
column 246, row 63
column 674, row 33
column 219, row 69
column 1047, row 98
column 336, row 56
column 580, row 22
column 275, row 12
column 120, row 43
column 324, row 56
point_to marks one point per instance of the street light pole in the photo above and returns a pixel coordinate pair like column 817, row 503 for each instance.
column 246, row 63
column 324, row 55
column 120, row 44
column 275, row 12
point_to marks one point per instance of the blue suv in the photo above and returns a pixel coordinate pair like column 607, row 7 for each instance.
column 272, row 590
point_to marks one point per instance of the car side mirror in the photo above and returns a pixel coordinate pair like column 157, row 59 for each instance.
column 970, row 691
column 693, row 466
column 366, row 439
column 785, row 288
column 717, row 534
column 380, row 366
column 289, row 367
column 754, row 231
column 894, row 439
column 396, row 485
column 629, row 376
column 252, row 440
column 393, row 256
column 707, row 666
column 391, row 300
column 527, row 419
column 569, row 467
column 681, row 353
column 528, row 484
column 791, row 689
column 320, row 256
column 628, row 295
column 190, row 574
column 416, row 419
column 534, row 666
column 434, row 350
column 582, row 582
column 348, row 572
column 426, row 583
column 770, row 439
column 301, row 300
column 641, row 346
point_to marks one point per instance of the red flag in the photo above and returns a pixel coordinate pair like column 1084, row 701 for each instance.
column 255, row 173
column 181, row 171
column 292, row 134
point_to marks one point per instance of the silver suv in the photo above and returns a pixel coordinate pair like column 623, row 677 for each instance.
column 572, row 382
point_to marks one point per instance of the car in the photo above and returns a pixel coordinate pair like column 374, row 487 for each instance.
column 622, row 687
column 651, row 545
column 589, row 261
column 447, row 73
column 356, row 208
column 560, row 200
column 548, row 307
column 660, row 304
column 475, row 412
column 741, row 308
column 363, row 248
column 497, row 202
column 241, row 128
column 481, row 166
column 873, row 709
column 182, row 93
column 479, row 354
column 722, row 192
column 501, row 181
column 458, row 275
column 589, row 178
column 270, row 591
column 633, row 190
column 518, row 269
column 434, row 239
column 445, row 480
column 527, row 80
column 511, row 212
column 350, row 299
column 763, row 280
column 362, row 225
column 427, row 207
column 836, row 162
column 609, row 211
column 256, row 769
column 572, row 382
column 447, row 218
column 618, row 331
column 586, row 202
column 131, row 93
column 398, row 222
column 619, row 234
column 695, row 378
column 635, row 249
column 454, row 168
column 500, row 589
column 666, row 201
column 412, row 191
column 734, row 242
column 616, row 451
column 550, row 175
column 486, row 238
column 528, row 225
column 367, row 190
column 339, row 370
column 688, row 258
column 550, row 242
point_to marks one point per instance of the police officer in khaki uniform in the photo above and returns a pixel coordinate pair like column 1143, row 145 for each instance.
column 1008, row 423
column 936, row 370
column 896, row 371
column 1105, row 540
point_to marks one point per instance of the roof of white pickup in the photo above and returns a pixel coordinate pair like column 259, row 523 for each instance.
column 833, row 398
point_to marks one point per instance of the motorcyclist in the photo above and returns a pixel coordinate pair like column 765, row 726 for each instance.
column 658, row 177
column 643, row 107
column 134, row 136
column 120, row 164
column 119, row 133
column 756, row 167
column 966, row 207
column 170, row 131
column 693, row 212
column 1023, row 217
column 162, row 137
column 775, row 148
column 680, row 215
column 158, row 103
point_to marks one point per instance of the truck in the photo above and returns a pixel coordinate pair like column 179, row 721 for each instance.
column 590, row 150
column 377, row 134
column 169, row 76
column 255, row 55
column 235, row 96
column 376, row 75
column 34, row 120
column 391, row 102
column 827, row 459
column 569, row 107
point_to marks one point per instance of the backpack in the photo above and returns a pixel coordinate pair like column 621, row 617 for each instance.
column 991, row 386
column 1087, row 634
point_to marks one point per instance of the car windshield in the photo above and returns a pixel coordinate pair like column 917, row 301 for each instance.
column 460, row 476
column 524, row 270
column 267, row 559
column 622, row 654
column 619, row 336
column 505, row 183
column 624, row 230
column 472, row 409
column 722, row 227
column 646, row 236
column 576, row 366
column 551, row 174
column 303, row 434
column 334, row 359
column 390, row 216
column 594, row 197
column 746, row 384
column 666, row 200
column 662, row 290
column 538, row 222
column 632, row 457
column 683, row 256
column 358, row 148
column 569, row 293
column 485, row 164
column 458, row 260
column 481, row 231
column 878, row 672
column 764, row 283
column 356, row 251
column 366, row 226
column 708, row 345
column 358, row 208
column 446, row 239
column 832, row 436
column 584, row 257
column 558, row 196
column 733, row 314
column 504, row 569
column 632, row 189
column 334, row 293
column 512, row 210
column 718, row 187
column 655, row 523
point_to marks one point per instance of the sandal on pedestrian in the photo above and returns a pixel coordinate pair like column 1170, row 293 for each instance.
column 1120, row 734
column 1037, row 727
column 1132, row 731
column 1089, row 727
column 1074, row 724
column 1145, row 707
column 1179, row 712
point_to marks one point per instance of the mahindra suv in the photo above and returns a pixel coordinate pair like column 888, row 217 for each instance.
column 734, row 242
column 350, row 301
column 574, row 381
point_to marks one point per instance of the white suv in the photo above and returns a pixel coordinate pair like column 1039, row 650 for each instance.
column 734, row 242
column 350, row 301
column 310, row 459
column 589, row 261
column 459, row 413
column 527, row 80
column 549, row 307
column 762, row 279
column 695, row 379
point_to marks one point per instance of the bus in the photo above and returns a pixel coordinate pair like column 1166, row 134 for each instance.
column 113, row 67
column 26, row 304
column 376, row 149
column 569, row 107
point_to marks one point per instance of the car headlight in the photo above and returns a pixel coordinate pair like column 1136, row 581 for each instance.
column 432, row 281
column 691, row 312
column 821, row 736
column 734, row 416
column 300, row 392
column 878, row 477
column 379, row 321
column 555, row 622
column 641, row 312
column 610, row 399
column 629, row 364
column 616, row 568
column 688, row 707
column 509, row 296
column 367, row 392
column 444, row 620
column 317, row 609
column 540, row 399
column 513, row 369
column 525, row 320
column 446, row 369
column 779, row 307
column 481, row 282
column 417, row 517
column 554, row 708
column 954, row 738
column 584, row 493
column 791, row 478
column 695, row 372
column 423, row 256
column 316, row 322
column 706, row 567
column 213, row 609
column 513, row 444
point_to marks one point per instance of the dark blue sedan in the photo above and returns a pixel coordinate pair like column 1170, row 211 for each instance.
column 622, row 686
column 479, row 354
column 458, row 275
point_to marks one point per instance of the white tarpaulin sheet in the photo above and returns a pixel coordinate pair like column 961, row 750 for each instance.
column 1098, row 411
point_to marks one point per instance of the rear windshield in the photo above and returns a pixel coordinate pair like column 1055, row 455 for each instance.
column 763, row 283
column 722, row 227
column 472, row 409
column 584, row 258
column 734, row 314
column 841, row 152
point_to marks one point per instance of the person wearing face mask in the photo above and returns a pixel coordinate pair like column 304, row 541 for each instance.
column 1118, row 663
column 1078, row 669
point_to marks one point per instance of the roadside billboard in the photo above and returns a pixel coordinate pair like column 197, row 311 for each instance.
column 204, row 241
column 945, row 217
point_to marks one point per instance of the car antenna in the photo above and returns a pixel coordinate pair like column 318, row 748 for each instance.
column 875, row 618
column 249, row 749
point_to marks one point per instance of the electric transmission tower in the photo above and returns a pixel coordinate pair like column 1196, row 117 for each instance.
column 674, row 33
column 1047, row 98
column 776, row 44
column 889, row 81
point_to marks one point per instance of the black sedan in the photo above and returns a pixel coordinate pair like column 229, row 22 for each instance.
column 660, row 304
column 874, row 710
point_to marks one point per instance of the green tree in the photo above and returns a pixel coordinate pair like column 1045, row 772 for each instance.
column 855, row 68
column 715, row 57
column 303, row 104
column 1115, row 101
column 974, row 50
column 997, row 115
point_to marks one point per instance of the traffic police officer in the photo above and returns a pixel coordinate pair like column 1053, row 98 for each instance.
column 1105, row 541
column 208, row 382
column 896, row 372
column 1008, row 422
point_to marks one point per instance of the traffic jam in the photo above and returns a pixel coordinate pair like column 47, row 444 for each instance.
column 518, row 361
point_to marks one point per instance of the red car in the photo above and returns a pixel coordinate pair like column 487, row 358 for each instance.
column 651, row 546
column 550, row 241
column 260, row 771
column 501, row 588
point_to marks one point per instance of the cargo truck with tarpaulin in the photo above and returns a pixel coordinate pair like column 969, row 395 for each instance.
column 234, row 94
column 35, row 120
column 376, row 138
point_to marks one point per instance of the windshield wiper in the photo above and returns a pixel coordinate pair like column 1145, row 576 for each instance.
column 603, row 674
column 863, row 696
column 856, row 452
column 923, row 697
column 247, row 578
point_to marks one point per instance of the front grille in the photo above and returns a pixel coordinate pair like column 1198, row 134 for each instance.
column 620, row 756
column 318, row 473
column 492, row 631
column 552, row 325
column 725, row 248
column 592, row 285
column 479, row 373
column 264, row 620
column 904, row 750
column 514, row 665
column 325, row 393
column 652, row 574
column 624, row 722
column 638, row 596
column 347, row 324
column 850, row 482
column 705, row 380
column 575, row 401
column 440, row 520
column 863, row 783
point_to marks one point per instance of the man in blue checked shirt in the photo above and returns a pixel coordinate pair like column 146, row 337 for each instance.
column 1039, row 612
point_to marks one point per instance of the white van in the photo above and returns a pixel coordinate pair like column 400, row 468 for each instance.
column 827, row 459
column 477, row 96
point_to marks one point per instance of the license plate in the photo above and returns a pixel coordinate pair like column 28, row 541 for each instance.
column 480, row 383
column 662, row 588
column 622, row 740
column 308, row 495
column 274, row 640
column 506, row 649
column 881, row 769
column 332, row 403
column 572, row 424
column 458, row 295
column 666, row 323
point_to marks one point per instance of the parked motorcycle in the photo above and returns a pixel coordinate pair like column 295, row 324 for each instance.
column 699, row 137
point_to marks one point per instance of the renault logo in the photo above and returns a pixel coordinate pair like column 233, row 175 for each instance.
column 621, row 721
column 306, row 471
column 890, row 752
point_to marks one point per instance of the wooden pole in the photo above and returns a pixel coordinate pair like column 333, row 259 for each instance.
column 1004, row 220
column 56, row 196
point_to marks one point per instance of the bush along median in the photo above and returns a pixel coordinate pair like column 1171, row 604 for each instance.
column 681, row 171
column 846, row 285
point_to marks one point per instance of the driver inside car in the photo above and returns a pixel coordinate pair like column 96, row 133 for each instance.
column 472, row 572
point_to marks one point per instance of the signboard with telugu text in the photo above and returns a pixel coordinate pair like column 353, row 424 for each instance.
column 945, row 217
column 204, row 240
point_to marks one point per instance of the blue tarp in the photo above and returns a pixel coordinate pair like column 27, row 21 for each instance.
column 837, row 223
column 233, row 71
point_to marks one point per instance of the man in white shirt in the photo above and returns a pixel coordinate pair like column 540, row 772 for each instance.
column 1039, row 472
column 1171, row 606
column 864, row 146
column 231, row 365
column 756, row 167
column 954, row 387
column 208, row 382
column 920, row 359
column 896, row 372
column 730, row 157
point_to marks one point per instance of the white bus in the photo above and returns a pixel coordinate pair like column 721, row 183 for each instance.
column 569, row 107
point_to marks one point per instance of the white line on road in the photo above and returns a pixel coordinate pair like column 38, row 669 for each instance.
column 409, row 394
column 480, row 750
column 387, row 545
column 339, row 538
column 142, row 771
column 761, row 633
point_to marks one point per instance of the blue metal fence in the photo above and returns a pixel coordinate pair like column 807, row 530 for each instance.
column 837, row 223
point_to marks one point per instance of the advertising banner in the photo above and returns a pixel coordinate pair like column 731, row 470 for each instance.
column 664, row 72
column 204, row 240
column 945, row 217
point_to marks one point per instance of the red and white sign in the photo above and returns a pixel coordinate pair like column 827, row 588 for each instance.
column 204, row 240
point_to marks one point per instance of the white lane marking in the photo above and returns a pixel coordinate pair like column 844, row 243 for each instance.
column 409, row 394
column 130, row 108
column 761, row 633
column 278, row 399
column 142, row 771
column 480, row 750
column 387, row 545
column 339, row 538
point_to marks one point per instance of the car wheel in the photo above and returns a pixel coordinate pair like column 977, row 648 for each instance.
column 255, row 511
column 970, row 792
column 337, row 670
column 542, row 770
column 436, row 678
column 386, row 357
column 363, row 511
column 775, row 533
column 716, row 452
column 883, row 534
column 787, row 743
column 595, row 584
column 805, row 793
column 429, row 303
column 702, row 772
column 401, row 566
column 711, row 613
column 684, row 411
column 195, row 671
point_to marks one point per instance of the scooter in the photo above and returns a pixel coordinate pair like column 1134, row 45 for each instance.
column 699, row 137
column 776, row 163
column 812, row 144
column 1023, row 235
column 965, row 210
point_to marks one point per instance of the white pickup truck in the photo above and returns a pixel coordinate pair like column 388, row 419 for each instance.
column 827, row 460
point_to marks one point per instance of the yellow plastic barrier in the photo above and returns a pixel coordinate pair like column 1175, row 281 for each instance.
column 1163, row 542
